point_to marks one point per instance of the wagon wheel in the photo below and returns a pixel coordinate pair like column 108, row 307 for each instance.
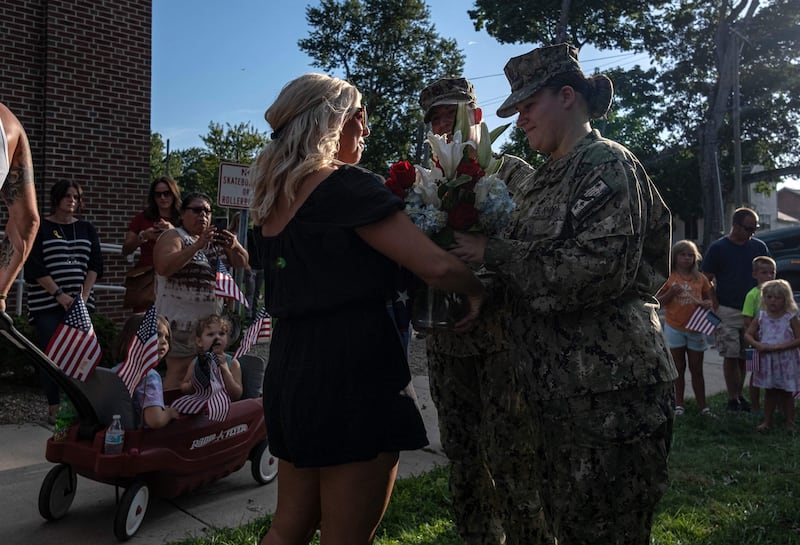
column 263, row 465
column 130, row 510
column 57, row 492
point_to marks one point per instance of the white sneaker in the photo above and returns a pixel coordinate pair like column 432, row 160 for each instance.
column 679, row 410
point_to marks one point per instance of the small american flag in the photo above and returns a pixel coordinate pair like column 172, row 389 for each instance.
column 752, row 360
column 226, row 286
column 142, row 352
column 260, row 330
column 74, row 347
column 211, row 398
column 703, row 321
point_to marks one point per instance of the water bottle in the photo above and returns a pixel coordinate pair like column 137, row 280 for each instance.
column 115, row 437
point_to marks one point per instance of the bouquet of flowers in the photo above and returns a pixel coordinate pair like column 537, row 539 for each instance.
column 459, row 190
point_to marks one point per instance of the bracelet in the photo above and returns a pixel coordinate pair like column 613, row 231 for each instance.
column 3, row 297
column 58, row 292
column 141, row 238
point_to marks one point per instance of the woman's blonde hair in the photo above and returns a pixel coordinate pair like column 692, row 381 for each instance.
column 686, row 246
column 307, row 119
column 779, row 288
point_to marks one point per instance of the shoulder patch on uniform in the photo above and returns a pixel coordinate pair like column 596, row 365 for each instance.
column 594, row 194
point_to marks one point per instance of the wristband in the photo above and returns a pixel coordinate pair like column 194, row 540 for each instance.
column 58, row 292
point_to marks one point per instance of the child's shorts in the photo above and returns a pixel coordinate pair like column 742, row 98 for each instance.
column 678, row 338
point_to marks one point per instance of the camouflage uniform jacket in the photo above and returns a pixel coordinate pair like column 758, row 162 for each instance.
column 492, row 334
column 588, row 248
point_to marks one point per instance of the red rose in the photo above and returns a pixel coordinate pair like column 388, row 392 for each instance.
column 462, row 216
column 394, row 186
column 404, row 173
column 471, row 168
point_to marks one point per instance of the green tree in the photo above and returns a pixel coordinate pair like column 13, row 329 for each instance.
column 158, row 157
column 704, row 52
column 606, row 25
column 732, row 69
column 390, row 51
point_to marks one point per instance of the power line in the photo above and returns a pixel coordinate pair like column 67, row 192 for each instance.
column 583, row 62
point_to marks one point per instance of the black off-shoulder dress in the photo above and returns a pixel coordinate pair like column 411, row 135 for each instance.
column 334, row 387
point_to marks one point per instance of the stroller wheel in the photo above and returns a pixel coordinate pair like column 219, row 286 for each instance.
column 263, row 464
column 131, row 510
column 57, row 492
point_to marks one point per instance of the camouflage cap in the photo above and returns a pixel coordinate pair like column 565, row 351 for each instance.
column 447, row 91
column 530, row 72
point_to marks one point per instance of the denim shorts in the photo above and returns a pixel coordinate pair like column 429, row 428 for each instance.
column 693, row 340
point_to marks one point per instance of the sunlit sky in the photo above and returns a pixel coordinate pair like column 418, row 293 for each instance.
column 226, row 61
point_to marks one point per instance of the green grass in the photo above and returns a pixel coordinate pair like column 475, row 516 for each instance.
column 729, row 485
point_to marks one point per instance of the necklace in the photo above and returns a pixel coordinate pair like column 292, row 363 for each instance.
column 63, row 236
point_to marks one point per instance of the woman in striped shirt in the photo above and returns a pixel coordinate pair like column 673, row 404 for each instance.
column 65, row 262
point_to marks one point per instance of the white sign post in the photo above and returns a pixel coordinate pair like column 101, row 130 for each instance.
column 234, row 187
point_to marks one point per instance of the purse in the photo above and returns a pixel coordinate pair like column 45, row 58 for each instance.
column 140, row 287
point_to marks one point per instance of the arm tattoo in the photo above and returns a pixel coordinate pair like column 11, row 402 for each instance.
column 18, row 176
column 6, row 252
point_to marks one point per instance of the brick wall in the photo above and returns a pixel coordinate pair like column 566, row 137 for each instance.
column 77, row 74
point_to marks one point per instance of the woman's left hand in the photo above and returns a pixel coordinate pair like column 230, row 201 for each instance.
column 469, row 248
column 224, row 238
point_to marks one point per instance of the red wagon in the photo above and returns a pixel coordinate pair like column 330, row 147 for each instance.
column 188, row 453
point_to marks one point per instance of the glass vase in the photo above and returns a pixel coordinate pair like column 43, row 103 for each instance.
column 436, row 309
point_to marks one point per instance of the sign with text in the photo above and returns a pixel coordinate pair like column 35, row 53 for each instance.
column 234, row 187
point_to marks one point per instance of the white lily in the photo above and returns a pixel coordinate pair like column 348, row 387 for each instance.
column 427, row 184
column 448, row 154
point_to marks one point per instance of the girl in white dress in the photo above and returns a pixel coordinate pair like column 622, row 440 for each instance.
column 775, row 334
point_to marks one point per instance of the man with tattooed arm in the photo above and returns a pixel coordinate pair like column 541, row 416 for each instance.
column 19, row 195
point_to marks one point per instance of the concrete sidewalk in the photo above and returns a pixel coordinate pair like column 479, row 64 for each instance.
column 229, row 502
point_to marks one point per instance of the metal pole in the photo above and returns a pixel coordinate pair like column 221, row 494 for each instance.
column 737, row 135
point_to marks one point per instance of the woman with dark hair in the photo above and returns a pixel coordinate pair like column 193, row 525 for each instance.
column 185, row 260
column 162, row 213
column 65, row 263
column 587, row 249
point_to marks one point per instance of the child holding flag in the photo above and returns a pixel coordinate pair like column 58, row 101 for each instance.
column 685, row 291
column 775, row 333
column 148, row 397
column 212, row 336
column 764, row 268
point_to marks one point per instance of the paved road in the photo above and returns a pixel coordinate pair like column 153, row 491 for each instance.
column 229, row 502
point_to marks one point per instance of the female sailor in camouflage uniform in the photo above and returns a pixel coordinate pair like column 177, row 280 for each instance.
column 588, row 249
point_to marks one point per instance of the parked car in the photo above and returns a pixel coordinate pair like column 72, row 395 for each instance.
column 784, row 245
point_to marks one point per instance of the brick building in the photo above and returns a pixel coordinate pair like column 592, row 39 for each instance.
column 77, row 74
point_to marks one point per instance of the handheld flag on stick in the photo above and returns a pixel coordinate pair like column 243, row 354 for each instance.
column 259, row 331
column 226, row 286
column 752, row 360
column 142, row 352
column 74, row 347
column 209, row 391
column 703, row 321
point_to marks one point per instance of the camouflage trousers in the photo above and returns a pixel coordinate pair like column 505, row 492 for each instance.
column 602, row 463
column 487, row 434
